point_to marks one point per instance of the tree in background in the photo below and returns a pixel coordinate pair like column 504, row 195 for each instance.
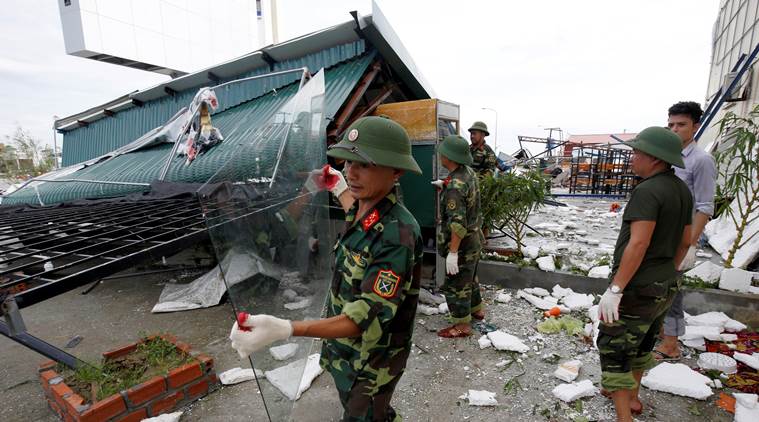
column 508, row 200
column 24, row 155
column 738, row 166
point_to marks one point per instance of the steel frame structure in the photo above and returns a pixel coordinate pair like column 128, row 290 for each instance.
column 48, row 251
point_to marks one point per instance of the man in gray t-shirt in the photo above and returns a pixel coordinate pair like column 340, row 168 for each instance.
column 700, row 174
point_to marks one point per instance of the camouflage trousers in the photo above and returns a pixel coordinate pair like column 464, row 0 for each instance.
column 462, row 291
column 366, row 400
column 625, row 346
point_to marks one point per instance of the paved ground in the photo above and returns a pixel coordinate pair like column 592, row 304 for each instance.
column 439, row 371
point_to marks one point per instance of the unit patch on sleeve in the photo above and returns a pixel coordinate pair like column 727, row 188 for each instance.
column 386, row 283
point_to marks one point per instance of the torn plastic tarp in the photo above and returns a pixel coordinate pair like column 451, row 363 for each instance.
column 202, row 135
column 208, row 289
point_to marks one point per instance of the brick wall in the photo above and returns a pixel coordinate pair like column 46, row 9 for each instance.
column 161, row 394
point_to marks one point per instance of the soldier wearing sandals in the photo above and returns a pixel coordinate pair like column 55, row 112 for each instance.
column 460, row 239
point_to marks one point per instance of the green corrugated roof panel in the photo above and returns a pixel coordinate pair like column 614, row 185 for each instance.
column 236, row 124
column 105, row 135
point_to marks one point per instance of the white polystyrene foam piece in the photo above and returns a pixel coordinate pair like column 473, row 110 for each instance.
column 531, row 251
column 284, row 352
column 708, row 319
column 443, row 308
column 577, row 301
column 602, row 271
column 238, row 375
column 571, row 392
column 539, row 302
column 750, row 360
column 693, row 332
column 733, row 326
column 166, row 417
column 537, row 291
column 293, row 379
column 679, row 379
column 480, row 398
column 303, row 303
column 558, row 292
column 736, row 280
column 568, row 371
column 593, row 313
column 697, row 344
column 484, row 342
column 746, row 407
column 717, row 361
column 546, row 263
column 505, row 341
column 501, row 297
column 427, row 310
column 706, row 271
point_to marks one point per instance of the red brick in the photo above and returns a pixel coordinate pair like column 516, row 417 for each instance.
column 169, row 337
column 58, row 392
column 121, row 351
column 73, row 402
column 56, row 408
column 165, row 404
column 147, row 391
column 46, row 376
column 105, row 409
column 44, row 366
column 136, row 416
column 184, row 374
column 206, row 361
column 198, row 389
column 213, row 379
column 184, row 347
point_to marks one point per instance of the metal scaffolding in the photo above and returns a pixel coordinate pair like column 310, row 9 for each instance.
column 601, row 170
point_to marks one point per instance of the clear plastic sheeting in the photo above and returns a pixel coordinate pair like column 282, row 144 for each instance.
column 256, row 207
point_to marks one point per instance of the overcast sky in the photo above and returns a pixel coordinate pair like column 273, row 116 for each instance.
column 584, row 66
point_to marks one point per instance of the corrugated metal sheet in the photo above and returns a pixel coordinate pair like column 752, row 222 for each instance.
column 236, row 123
column 105, row 135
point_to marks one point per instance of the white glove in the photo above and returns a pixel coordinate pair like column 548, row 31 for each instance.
column 689, row 261
column 258, row 331
column 452, row 263
column 438, row 184
column 608, row 307
column 326, row 178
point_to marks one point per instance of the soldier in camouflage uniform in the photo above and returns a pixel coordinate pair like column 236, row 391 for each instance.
column 375, row 287
column 653, row 240
column 483, row 158
column 460, row 238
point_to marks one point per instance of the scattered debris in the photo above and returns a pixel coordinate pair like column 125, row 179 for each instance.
column 484, row 342
column 750, row 360
column 568, row 371
column 284, row 352
column 559, row 292
column 717, row 362
column 166, row 417
column 303, row 303
column 431, row 299
column 679, row 379
column 540, row 303
column 238, row 375
column 736, row 280
column 706, row 271
column 505, row 341
column 537, row 291
column 546, row 263
column 480, row 398
column 746, row 407
column 501, row 297
column 571, row 392
column 578, row 301
column 443, row 308
column 427, row 310
column 600, row 272
column 296, row 377
column 74, row 342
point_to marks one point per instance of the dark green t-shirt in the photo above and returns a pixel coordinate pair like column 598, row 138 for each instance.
column 663, row 198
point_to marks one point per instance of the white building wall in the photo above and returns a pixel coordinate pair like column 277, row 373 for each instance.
column 735, row 32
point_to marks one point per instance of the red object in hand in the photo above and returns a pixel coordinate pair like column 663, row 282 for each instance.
column 329, row 179
column 241, row 318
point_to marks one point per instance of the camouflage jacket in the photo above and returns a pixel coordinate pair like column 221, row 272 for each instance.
column 483, row 160
column 376, row 284
column 460, row 212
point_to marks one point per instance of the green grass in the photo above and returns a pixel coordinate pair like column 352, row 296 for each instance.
column 153, row 357
column 697, row 283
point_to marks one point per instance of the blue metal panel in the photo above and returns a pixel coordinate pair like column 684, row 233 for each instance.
column 105, row 135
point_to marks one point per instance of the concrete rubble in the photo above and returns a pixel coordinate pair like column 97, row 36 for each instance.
column 679, row 379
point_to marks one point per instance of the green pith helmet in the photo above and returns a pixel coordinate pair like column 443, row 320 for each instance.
column 378, row 141
column 456, row 149
column 481, row 126
column 661, row 143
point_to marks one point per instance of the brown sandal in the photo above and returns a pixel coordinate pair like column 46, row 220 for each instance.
column 453, row 332
column 479, row 315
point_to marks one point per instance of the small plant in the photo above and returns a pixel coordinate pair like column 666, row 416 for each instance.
column 508, row 200
column 697, row 283
column 604, row 260
column 738, row 167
